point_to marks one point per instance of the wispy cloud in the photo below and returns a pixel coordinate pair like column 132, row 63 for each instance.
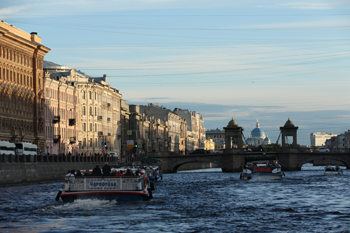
column 38, row 8
column 308, row 5
column 302, row 24
column 13, row 10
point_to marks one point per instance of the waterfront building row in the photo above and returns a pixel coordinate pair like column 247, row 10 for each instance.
column 65, row 111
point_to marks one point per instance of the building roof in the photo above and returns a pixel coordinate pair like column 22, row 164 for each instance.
column 215, row 131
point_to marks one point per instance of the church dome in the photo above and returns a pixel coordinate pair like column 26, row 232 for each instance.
column 250, row 140
column 257, row 132
column 267, row 140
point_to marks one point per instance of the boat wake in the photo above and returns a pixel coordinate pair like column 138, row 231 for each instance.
column 86, row 204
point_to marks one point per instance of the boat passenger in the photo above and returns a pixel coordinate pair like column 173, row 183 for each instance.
column 87, row 172
column 114, row 172
column 96, row 171
column 129, row 173
column 120, row 173
column 106, row 169
column 70, row 176
column 78, row 173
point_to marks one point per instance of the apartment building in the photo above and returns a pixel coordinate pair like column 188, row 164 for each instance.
column 97, row 110
column 319, row 139
column 176, row 127
column 196, row 135
column 21, row 86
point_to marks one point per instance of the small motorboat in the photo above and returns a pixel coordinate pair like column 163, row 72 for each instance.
column 333, row 170
column 262, row 170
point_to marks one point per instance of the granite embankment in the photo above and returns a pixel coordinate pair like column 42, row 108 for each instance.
column 15, row 170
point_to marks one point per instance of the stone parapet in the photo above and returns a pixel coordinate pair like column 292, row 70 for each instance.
column 19, row 173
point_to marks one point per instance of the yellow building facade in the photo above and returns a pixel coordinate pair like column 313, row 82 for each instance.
column 21, row 86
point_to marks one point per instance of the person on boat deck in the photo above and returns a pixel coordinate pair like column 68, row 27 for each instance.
column 96, row 171
column 68, row 173
column 106, row 169
column 114, row 172
column 120, row 173
column 70, row 176
column 78, row 173
column 87, row 172
column 129, row 173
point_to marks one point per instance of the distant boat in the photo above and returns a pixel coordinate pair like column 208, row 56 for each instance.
column 262, row 170
column 333, row 170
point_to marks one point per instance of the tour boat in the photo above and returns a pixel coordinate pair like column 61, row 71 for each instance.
column 333, row 170
column 262, row 170
column 118, row 188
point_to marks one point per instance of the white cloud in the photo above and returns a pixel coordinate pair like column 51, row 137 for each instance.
column 308, row 5
column 39, row 8
column 12, row 11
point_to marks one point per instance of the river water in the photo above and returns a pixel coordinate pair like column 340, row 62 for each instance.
column 197, row 201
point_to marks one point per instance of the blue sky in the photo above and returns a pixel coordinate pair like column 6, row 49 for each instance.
column 266, row 60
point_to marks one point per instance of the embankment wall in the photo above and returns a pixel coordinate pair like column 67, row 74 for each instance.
column 17, row 173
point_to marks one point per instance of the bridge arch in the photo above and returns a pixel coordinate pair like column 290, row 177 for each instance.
column 328, row 157
column 176, row 165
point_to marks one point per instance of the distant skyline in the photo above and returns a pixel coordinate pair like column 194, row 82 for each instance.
column 266, row 60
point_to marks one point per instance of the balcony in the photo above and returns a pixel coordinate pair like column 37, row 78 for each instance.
column 56, row 138
column 56, row 119
column 71, row 122
column 100, row 133
column 72, row 140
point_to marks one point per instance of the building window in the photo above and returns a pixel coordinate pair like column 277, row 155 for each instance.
column 83, row 94
column 84, row 127
column 84, row 111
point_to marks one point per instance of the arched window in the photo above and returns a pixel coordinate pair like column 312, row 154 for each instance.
column 90, row 95
column 84, row 111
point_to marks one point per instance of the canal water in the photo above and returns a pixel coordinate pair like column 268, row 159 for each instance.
column 197, row 201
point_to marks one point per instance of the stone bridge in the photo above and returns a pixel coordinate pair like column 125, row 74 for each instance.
column 234, row 161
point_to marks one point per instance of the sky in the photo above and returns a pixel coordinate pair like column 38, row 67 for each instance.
column 249, row 60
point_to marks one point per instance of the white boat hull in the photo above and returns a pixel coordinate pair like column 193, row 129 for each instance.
column 333, row 172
